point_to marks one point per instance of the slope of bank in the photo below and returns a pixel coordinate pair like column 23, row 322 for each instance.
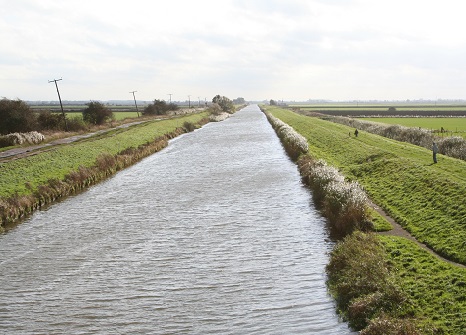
column 426, row 199
column 31, row 182
column 436, row 294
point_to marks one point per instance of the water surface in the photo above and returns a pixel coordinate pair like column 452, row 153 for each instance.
column 213, row 235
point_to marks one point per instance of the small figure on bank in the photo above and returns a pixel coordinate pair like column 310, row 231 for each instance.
column 356, row 132
column 434, row 151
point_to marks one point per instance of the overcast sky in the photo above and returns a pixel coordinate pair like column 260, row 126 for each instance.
column 255, row 49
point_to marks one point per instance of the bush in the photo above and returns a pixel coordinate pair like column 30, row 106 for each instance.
column 359, row 278
column 16, row 116
column 50, row 121
column 388, row 326
column 159, row 107
column 225, row 104
column 76, row 123
column 97, row 113
column 189, row 126
column 215, row 109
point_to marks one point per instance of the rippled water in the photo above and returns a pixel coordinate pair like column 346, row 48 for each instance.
column 213, row 235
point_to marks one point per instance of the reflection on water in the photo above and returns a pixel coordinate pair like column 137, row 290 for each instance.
column 213, row 235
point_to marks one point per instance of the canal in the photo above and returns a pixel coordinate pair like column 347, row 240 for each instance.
column 213, row 235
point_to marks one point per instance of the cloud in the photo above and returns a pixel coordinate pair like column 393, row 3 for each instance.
column 257, row 49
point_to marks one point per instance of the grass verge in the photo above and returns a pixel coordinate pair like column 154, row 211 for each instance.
column 29, row 183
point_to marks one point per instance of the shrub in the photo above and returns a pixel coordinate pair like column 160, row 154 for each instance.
column 76, row 123
column 189, row 126
column 385, row 325
column 225, row 104
column 159, row 107
column 359, row 278
column 50, row 121
column 215, row 109
column 16, row 116
column 97, row 113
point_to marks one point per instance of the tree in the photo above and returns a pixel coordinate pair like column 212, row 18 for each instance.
column 16, row 116
column 224, row 103
column 273, row 102
column 159, row 107
column 239, row 101
column 97, row 113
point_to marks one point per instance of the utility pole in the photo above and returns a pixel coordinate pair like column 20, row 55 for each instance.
column 170, row 94
column 199, row 104
column 135, row 103
column 59, row 98
column 189, row 101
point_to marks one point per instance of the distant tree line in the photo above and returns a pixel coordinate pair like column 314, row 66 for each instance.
column 16, row 116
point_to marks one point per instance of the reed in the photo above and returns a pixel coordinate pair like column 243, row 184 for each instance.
column 344, row 203
column 294, row 143
column 32, row 137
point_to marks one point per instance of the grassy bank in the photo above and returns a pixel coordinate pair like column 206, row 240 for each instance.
column 427, row 199
column 31, row 182
column 388, row 285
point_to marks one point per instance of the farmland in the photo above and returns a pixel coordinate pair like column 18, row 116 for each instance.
column 426, row 199
column 381, row 110
column 451, row 125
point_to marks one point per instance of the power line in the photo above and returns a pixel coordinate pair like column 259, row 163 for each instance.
column 59, row 98
column 135, row 103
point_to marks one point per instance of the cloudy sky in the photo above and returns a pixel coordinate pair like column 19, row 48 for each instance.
column 256, row 49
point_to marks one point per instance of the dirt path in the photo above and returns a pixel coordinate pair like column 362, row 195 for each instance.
column 398, row 230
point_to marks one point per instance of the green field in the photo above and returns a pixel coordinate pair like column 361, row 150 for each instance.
column 117, row 115
column 377, row 110
column 451, row 125
column 427, row 199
